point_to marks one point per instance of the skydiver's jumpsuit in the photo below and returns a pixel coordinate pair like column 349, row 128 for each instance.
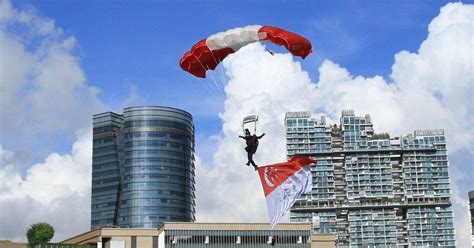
column 252, row 145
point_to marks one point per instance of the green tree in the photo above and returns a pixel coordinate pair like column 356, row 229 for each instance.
column 39, row 233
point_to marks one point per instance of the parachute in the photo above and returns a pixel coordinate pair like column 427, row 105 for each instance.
column 208, row 53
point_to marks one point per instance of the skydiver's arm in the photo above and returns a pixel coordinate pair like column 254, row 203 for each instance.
column 259, row 137
column 241, row 137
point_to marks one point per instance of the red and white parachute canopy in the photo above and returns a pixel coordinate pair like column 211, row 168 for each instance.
column 208, row 53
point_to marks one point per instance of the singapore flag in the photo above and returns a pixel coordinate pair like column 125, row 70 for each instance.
column 283, row 183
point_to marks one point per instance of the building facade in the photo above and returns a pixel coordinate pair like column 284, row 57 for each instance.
column 372, row 190
column 142, row 167
column 471, row 214
column 205, row 235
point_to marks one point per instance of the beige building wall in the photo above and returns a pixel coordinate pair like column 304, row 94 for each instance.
column 9, row 244
column 144, row 242
column 323, row 241
column 144, row 236
column 127, row 240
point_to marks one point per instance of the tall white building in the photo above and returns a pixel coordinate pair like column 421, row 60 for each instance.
column 372, row 190
column 471, row 215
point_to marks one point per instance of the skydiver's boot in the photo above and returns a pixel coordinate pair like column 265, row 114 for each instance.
column 254, row 165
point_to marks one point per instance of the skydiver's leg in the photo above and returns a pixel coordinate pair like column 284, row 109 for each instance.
column 249, row 158
column 247, row 149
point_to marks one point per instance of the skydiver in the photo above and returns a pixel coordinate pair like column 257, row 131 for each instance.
column 252, row 145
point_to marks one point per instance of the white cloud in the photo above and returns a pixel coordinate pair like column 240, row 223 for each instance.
column 133, row 99
column 460, row 202
column 56, row 191
column 442, row 74
column 432, row 88
column 43, row 88
column 42, row 93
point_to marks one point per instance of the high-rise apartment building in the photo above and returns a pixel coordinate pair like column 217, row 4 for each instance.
column 142, row 167
column 372, row 190
column 471, row 214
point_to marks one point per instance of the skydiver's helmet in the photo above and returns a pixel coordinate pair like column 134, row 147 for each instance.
column 247, row 132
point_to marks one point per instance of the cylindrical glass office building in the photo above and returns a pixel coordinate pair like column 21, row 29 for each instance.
column 158, row 167
column 156, row 154
column 158, row 172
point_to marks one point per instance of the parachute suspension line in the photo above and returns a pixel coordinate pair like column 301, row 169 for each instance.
column 215, row 90
column 221, row 71
column 222, row 90
column 223, row 79
column 219, row 90
column 209, row 90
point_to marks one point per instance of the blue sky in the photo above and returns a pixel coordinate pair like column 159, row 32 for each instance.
column 122, row 45
column 119, row 42
column 63, row 61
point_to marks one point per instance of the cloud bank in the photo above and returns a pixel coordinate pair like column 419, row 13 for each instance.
column 43, row 92
column 57, row 191
column 43, row 88
column 429, row 88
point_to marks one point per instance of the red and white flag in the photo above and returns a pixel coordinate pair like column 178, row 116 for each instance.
column 283, row 183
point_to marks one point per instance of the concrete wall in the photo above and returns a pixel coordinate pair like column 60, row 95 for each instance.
column 9, row 244
column 323, row 241
column 144, row 242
